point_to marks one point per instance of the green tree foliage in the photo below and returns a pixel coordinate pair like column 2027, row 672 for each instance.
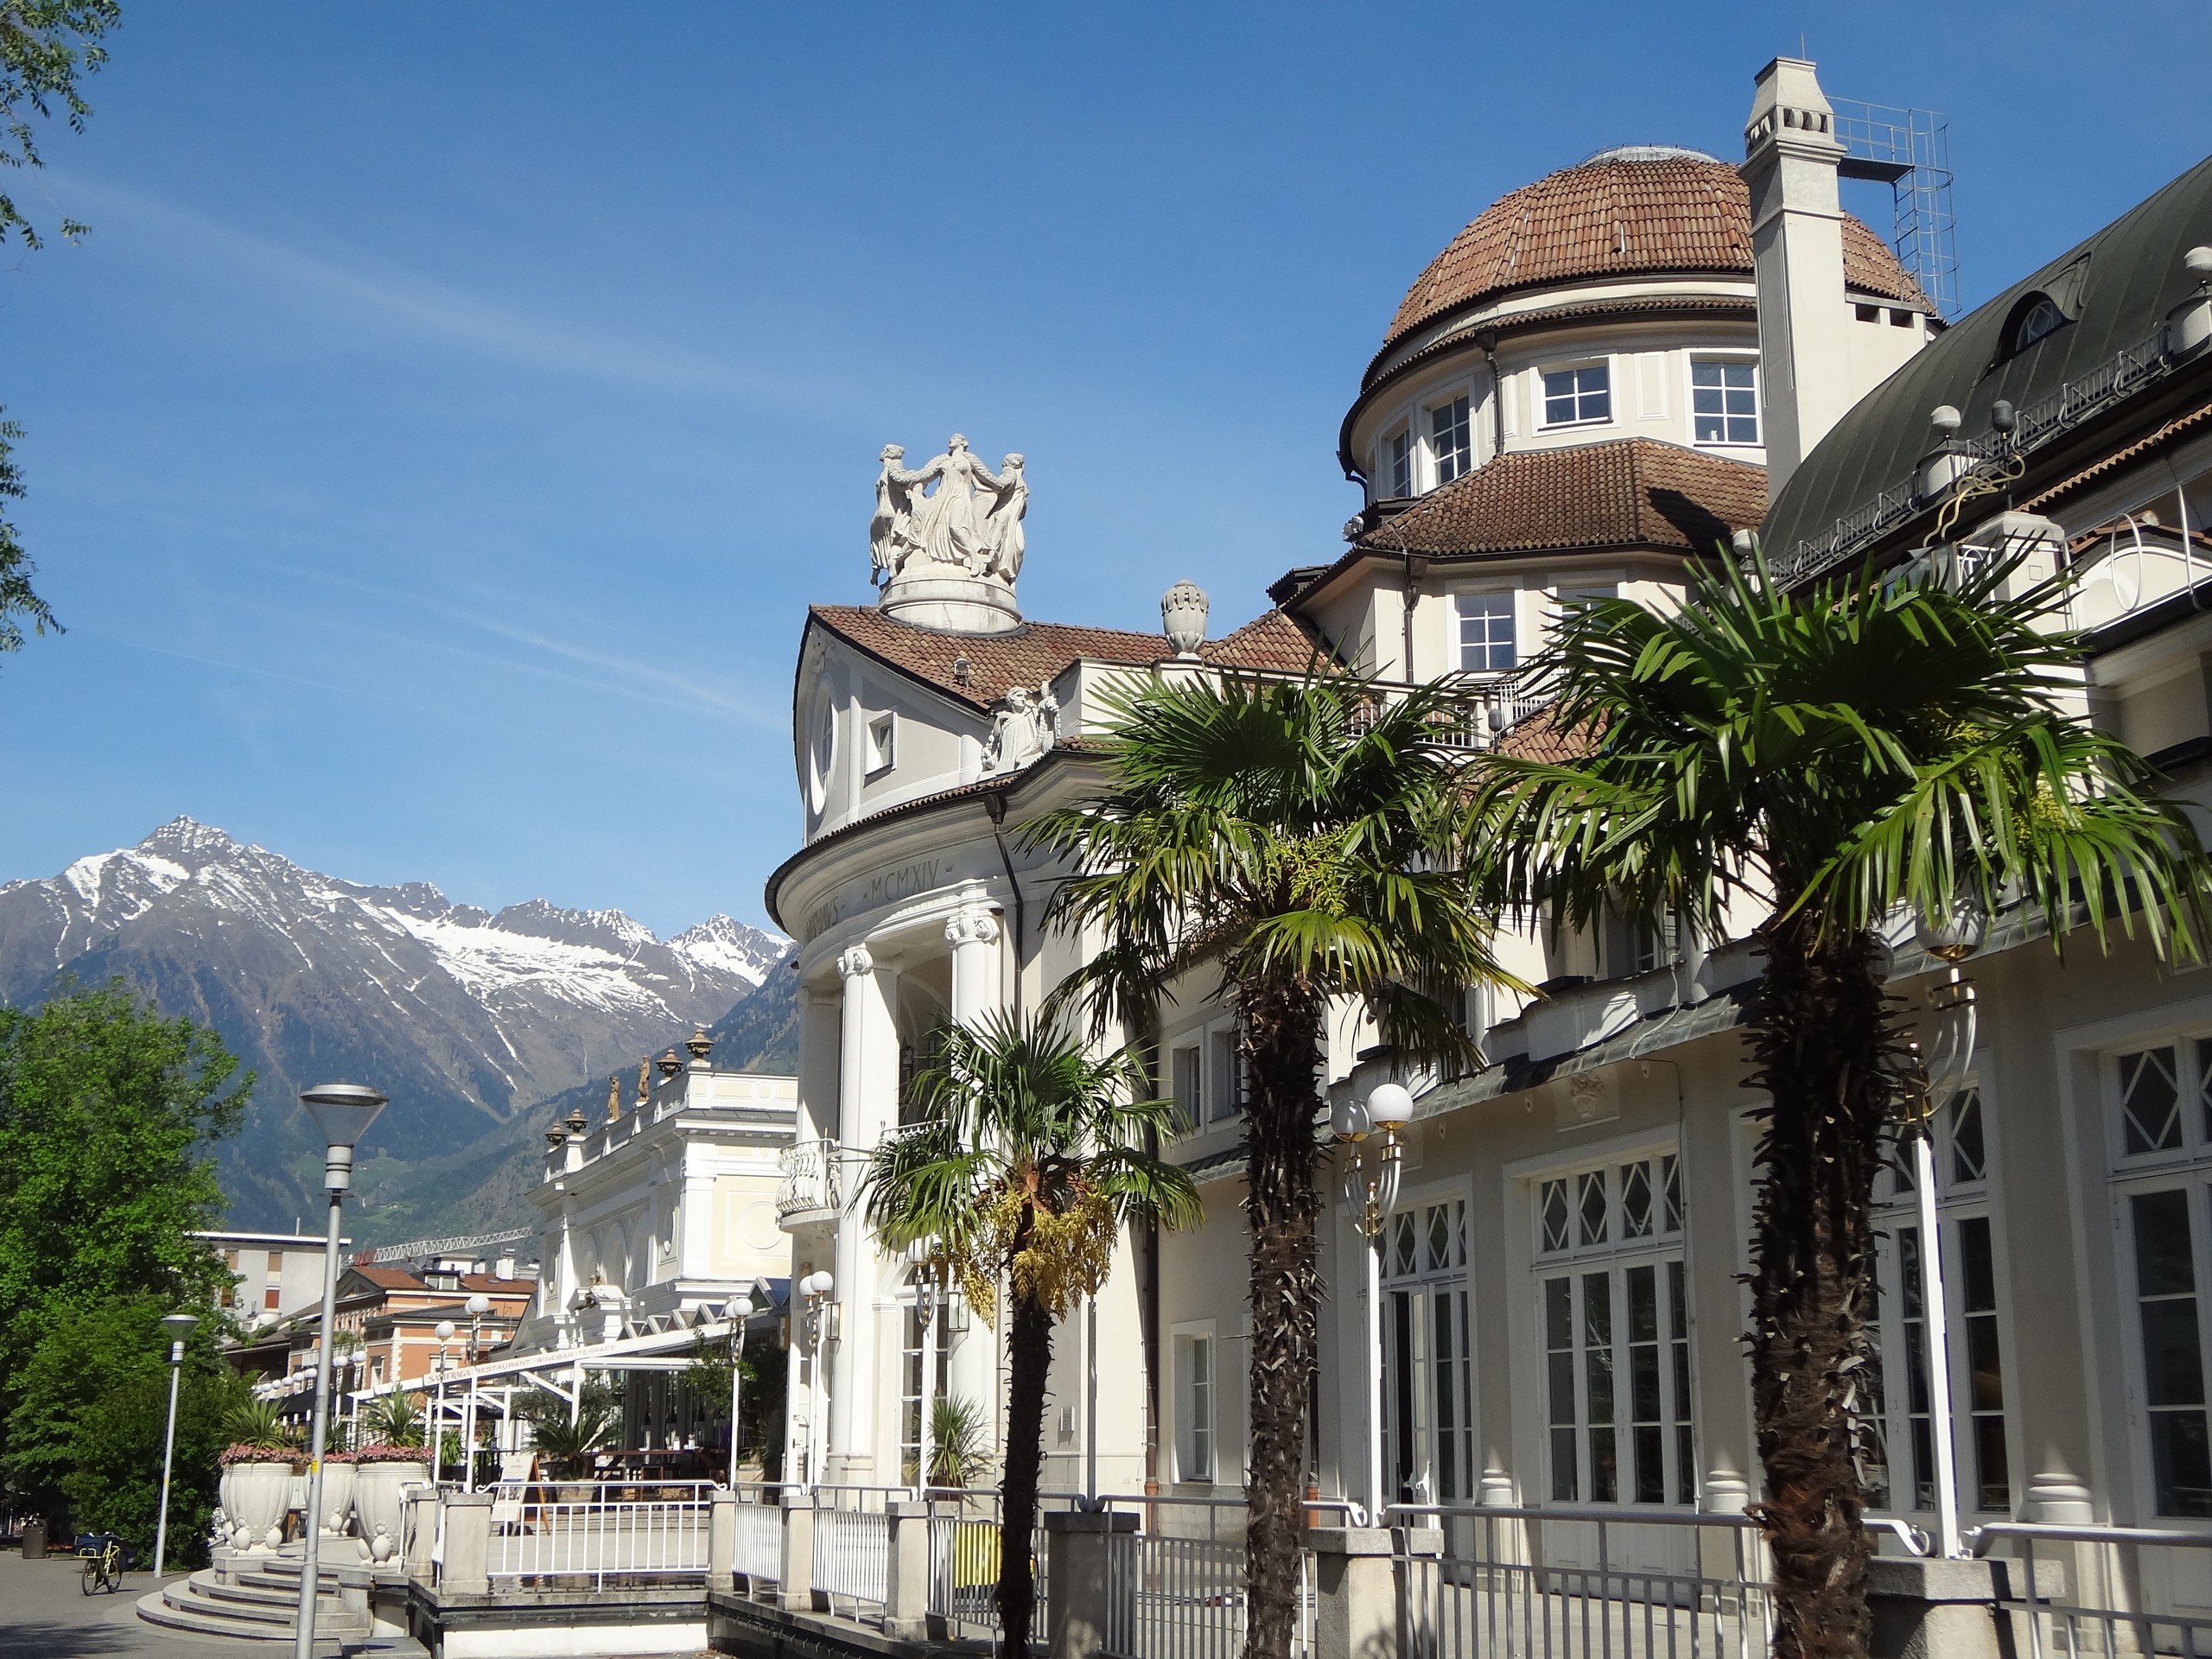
column 1027, row 1156
column 105, row 1112
column 1299, row 839
column 84, row 1438
column 18, row 602
column 45, row 47
column 1831, row 755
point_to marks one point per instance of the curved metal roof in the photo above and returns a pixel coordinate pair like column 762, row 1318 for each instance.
column 2114, row 291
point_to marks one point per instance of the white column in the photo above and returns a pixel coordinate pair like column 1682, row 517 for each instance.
column 867, row 1108
column 818, row 1065
column 973, row 933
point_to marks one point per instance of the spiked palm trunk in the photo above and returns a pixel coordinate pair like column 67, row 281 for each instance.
column 1282, row 1027
column 1029, row 1359
column 1823, row 1042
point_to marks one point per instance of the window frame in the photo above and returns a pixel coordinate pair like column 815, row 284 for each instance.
column 1604, row 365
column 880, row 750
column 1726, row 359
column 1460, row 399
column 1398, row 446
column 1511, row 596
column 1183, row 1340
column 1421, row 1384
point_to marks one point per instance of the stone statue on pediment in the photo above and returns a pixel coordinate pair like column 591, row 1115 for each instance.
column 947, row 540
column 1023, row 726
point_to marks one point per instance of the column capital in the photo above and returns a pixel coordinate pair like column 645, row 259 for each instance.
column 972, row 925
column 855, row 961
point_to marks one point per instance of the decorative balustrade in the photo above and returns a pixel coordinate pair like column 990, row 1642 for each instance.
column 812, row 1181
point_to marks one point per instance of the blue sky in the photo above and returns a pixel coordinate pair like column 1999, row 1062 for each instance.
column 434, row 445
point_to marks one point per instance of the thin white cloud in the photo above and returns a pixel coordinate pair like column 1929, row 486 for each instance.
column 358, row 287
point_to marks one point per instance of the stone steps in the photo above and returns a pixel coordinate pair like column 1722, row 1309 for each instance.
column 265, row 1611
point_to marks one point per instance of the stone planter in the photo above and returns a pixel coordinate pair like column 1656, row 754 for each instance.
column 377, row 1489
column 337, row 1497
column 255, row 1496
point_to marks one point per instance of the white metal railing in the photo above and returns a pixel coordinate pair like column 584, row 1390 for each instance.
column 811, row 1179
column 2097, row 1592
column 965, row 1541
column 852, row 1555
column 1176, row 1589
column 759, row 1551
column 542, row 1536
column 1585, row 1584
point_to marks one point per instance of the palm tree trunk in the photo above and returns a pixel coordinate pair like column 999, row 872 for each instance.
column 1823, row 1042
column 1029, row 1358
column 1282, row 1032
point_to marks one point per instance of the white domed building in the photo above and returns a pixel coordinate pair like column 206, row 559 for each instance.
column 1577, row 396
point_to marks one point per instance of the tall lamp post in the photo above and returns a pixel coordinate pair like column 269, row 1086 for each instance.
column 737, row 1311
column 1371, row 1194
column 478, row 1307
column 1930, row 1086
column 179, row 1326
column 443, row 1331
column 821, row 1325
column 342, row 1114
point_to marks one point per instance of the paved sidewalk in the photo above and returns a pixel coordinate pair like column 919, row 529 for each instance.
column 43, row 1615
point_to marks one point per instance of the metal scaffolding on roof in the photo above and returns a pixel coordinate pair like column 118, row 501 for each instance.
column 1910, row 151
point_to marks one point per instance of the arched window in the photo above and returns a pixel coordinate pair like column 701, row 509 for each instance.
column 2036, row 316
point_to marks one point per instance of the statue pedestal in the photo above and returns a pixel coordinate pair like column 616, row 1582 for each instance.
column 951, row 604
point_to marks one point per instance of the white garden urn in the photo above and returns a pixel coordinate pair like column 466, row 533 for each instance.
column 1183, row 617
column 337, row 1497
column 255, row 1496
column 378, row 1490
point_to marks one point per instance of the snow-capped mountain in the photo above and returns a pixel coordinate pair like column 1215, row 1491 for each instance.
column 462, row 1015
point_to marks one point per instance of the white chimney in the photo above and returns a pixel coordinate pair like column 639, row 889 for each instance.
column 1790, row 154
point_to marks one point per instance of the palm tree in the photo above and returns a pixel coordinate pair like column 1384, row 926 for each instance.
column 1024, row 1160
column 1830, row 756
column 1298, row 837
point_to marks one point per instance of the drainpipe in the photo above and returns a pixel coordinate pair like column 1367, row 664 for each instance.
column 995, row 804
column 1416, row 568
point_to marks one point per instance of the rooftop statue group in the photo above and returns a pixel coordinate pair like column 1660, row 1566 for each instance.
column 971, row 522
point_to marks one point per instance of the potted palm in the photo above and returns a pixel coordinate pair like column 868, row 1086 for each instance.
column 256, row 1478
column 958, row 1448
column 391, row 1462
column 568, row 1446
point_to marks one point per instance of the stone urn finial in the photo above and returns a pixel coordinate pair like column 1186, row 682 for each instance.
column 1183, row 617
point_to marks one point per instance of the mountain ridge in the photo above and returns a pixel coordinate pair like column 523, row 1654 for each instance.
column 465, row 1016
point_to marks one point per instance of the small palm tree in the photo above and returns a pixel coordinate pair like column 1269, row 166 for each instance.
column 1300, row 837
column 957, row 1449
column 393, row 1419
column 1830, row 756
column 256, row 1422
column 570, row 1444
column 1026, row 1157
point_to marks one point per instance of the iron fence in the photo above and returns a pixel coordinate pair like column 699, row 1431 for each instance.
column 1583, row 1584
column 852, row 1544
column 759, row 1547
column 2098, row 1592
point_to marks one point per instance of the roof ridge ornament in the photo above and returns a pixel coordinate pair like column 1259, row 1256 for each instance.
column 947, row 541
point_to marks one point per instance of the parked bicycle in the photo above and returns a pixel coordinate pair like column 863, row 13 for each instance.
column 105, row 1559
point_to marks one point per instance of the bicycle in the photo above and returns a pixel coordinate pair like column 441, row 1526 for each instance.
column 103, row 1555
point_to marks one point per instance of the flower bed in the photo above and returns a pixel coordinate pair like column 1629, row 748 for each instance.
column 384, row 1453
column 243, row 1452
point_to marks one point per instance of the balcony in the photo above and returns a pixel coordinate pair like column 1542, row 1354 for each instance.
column 813, row 1186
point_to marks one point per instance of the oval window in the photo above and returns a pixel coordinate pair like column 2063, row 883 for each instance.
column 822, row 752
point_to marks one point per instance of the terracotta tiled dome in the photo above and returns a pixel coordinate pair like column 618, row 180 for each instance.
column 1644, row 209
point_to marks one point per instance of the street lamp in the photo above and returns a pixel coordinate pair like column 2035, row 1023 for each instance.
column 820, row 1328
column 342, row 1114
column 443, row 1331
column 738, row 1310
column 478, row 1305
column 1928, row 1089
column 1370, row 1195
column 179, row 1326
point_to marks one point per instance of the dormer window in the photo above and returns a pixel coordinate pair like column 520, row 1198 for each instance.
column 1398, row 462
column 882, row 741
column 1581, row 397
column 2036, row 315
column 1451, row 440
